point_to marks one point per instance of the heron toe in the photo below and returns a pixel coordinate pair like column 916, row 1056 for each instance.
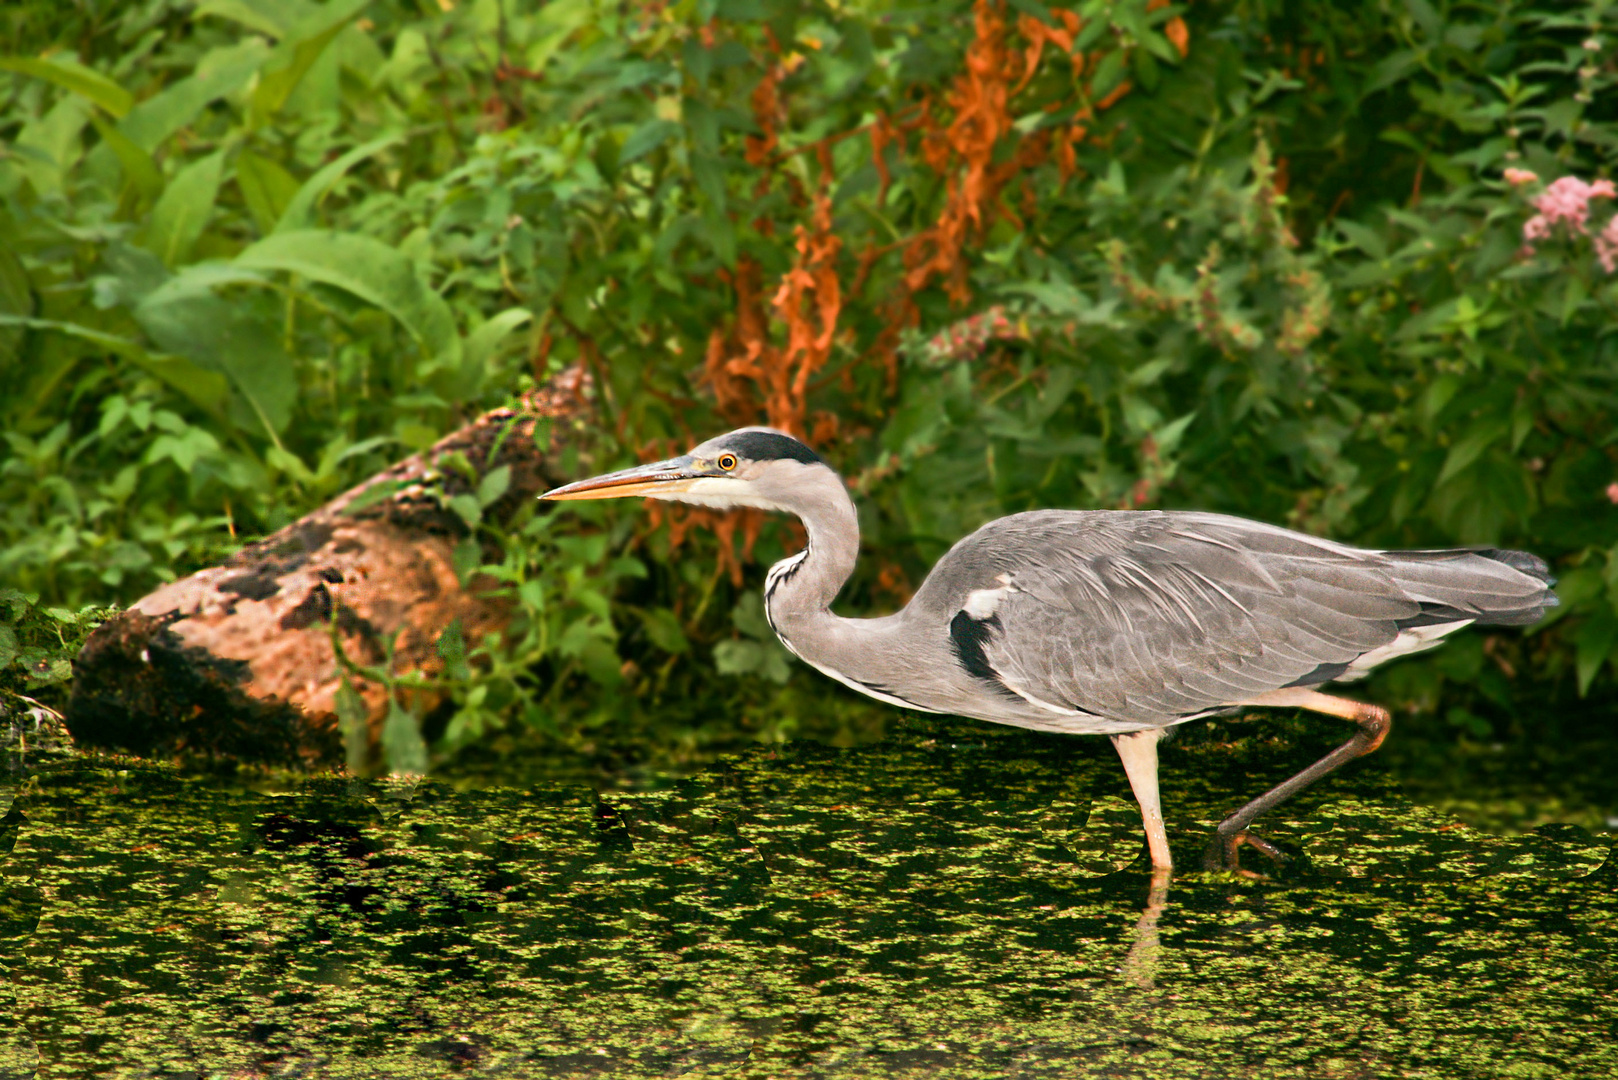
column 1224, row 851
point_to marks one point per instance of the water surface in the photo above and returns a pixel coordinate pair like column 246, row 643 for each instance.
column 953, row 901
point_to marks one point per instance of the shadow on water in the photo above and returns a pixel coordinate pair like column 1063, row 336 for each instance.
column 953, row 901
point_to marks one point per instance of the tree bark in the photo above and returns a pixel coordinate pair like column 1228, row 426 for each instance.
column 237, row 660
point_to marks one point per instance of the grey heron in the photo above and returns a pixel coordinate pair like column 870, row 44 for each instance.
column 1111, row 622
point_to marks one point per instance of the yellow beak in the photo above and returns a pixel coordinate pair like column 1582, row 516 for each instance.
column 658, row 478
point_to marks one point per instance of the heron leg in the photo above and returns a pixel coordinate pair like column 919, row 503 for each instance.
column 1138, row 751
column 1373, row 722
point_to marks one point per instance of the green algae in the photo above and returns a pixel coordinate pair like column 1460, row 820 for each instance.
column 950, row 902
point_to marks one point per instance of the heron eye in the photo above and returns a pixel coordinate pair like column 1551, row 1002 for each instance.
column 727, row 461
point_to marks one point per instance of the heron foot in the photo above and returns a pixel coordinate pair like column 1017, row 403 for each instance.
column 1224, row 852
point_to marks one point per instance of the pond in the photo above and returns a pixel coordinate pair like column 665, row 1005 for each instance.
column 953, row 901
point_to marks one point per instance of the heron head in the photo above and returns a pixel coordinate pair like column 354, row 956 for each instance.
column 755, row 466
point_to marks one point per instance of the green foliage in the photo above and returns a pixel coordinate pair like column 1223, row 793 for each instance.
column 1410, row 375
column 251, row 252
column 37, row 646
column 757, row 651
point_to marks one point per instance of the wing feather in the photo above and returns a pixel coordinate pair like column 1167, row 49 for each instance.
column 1154, row 617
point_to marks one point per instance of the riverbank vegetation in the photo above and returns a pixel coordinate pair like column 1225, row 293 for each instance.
column 1345, row 270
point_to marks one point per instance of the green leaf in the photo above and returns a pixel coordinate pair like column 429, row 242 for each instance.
column 646, row 138
column 737, row 657
column 185, row 449
column 1390, row 70
column 132, row 273
column 1149, row 372
column 554, row 23
column 482, row 342
column 277, row 84
column 161, row 115
column 238, row 337
column 16, row 301
column 709, row 173
column 664, row 631
column 1594, row 643
column 1470, row 447
column 1145, row 69
column 1159, row 47
column 469, row 509
column 374, row 272
column 1108, row 74
column 183, row 211
column 451, row 648
column 1438, row 395
column 1579, row 585
column 479, row 349
column 1523, row 418
column 8, row 646
column 74, row 76
column 1367, row 240
column 403, row 748
column 1140, row 415
column 600, row 662
column 300, row 207
column 720, row 234
column 467, row 556
column 266, row 187
column 1573, row 297
column 1094, row 29
column 1036, row 9
column 206, row 389
column 1169, row 435
column 47, row 147
column 279, row 457
column 138, row 166
column 493, row 485
column 277, row 18
column 1056, row 297
column 752, row 658
column 16, row 603
column 373, row 494
column 748, row 617
column 353, row 718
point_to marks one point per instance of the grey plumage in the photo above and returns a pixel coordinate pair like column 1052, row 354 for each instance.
column 1157, row 617
column 1102, row 622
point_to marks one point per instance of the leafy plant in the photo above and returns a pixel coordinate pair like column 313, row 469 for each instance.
column 37, row 646
column 757, row 651
column 1250, row 256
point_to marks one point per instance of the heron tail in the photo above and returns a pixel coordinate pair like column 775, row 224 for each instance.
column 1489, row 586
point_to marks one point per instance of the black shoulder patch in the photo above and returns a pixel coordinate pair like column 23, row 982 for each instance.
column 968, row 637
column 770, row 446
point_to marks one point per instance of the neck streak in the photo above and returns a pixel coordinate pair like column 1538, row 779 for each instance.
column 802, row 586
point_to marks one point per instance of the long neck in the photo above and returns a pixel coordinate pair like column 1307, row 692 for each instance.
column 806, row 583
column 873, row 656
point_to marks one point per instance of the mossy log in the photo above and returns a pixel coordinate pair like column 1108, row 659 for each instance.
column 237, row 660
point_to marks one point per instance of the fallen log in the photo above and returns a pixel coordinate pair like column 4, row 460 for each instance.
column 238, row 661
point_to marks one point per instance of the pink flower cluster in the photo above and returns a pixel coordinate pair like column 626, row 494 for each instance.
column 1567, row 202
column 966, row 339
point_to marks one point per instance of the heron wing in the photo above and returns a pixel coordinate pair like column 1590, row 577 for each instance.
column 1162, row 616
